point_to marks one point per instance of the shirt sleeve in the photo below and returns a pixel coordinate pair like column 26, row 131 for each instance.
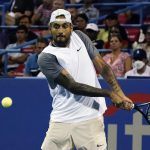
column 50, row 67
column 91, row 49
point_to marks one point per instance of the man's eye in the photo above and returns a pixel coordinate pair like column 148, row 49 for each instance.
column 65, row 26
column 56, row 26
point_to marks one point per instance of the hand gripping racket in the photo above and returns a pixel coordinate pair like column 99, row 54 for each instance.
column 145, row 112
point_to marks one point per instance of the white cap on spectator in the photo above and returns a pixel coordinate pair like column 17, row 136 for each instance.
column 92, row 26
column 60, row 12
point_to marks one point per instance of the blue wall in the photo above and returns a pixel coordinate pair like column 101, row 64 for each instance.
column 23, row 126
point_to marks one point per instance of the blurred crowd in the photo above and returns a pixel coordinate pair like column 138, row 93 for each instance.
column 126, row 50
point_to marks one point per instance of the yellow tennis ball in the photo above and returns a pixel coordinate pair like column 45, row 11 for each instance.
column 6, row 102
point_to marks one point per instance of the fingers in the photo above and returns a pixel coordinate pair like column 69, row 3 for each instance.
column 124, row 105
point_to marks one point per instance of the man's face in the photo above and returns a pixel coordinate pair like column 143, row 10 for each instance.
column 61, row 31
column 21, row 35
column 40, row 46
column 25, row 21
column 81, row 23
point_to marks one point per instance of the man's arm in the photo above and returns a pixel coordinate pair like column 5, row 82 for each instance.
column 54, row 72
column 99, row 63
column 107, row 73
column 66, row 80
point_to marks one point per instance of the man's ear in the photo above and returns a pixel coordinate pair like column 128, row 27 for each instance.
column 49, row 28
column 71, row 27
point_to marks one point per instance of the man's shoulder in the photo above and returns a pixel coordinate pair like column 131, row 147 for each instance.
column 78, row 32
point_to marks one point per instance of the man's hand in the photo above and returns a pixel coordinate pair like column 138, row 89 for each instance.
column 122, row 102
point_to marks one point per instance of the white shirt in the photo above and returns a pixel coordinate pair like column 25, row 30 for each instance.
column 68, row 107
column 134, row 72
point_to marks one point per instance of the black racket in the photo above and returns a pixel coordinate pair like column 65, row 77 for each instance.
column 144, row 109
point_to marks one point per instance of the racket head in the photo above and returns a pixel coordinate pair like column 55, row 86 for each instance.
column 146, row 113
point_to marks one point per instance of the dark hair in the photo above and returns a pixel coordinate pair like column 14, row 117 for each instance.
column 118, row 35
column 112, row 16
column 84, row 16
column 42, row 40
column 24, row 16
column 22, row 27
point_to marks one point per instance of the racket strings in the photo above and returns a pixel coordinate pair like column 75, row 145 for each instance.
column 148, row 112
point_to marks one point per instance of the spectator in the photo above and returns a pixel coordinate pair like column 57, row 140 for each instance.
column 119, row 61
column 145, row 45
column 31, row 66
column 89, row 9
column 43, row 12
column 111, row 21
column 92, row 32
column 58, row 4
column 114, row 31
column 25, row 20
column 81, row 22
column 17, row 9
column 140, row 67
column 74, row 12
column 14, row 59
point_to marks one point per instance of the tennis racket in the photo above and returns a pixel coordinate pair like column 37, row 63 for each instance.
column 144, row 109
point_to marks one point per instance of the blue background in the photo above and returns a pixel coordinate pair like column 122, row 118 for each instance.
column 23, row 126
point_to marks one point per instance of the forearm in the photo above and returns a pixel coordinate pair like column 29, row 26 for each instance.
column 110, row 77
column 80, row 89
column 107, row 73
column 86, row 90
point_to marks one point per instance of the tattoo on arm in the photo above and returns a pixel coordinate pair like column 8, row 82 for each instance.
column 106, row 73
column 70, row 84
column 109, row 76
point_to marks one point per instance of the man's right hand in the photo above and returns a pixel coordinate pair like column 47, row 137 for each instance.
column 122, row 102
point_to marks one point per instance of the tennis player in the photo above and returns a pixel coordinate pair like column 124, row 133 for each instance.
column 69, row 64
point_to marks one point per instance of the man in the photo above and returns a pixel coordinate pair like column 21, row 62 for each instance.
column 81, row 22
column 17, row 9
column 140, row 67
column 145, row 44
column 31, row 66
column 90, row 10
column 15, row 59
column 26, row 21
column 112, row 21
column 92, row 32
column 78, row 103
column 43, row 12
